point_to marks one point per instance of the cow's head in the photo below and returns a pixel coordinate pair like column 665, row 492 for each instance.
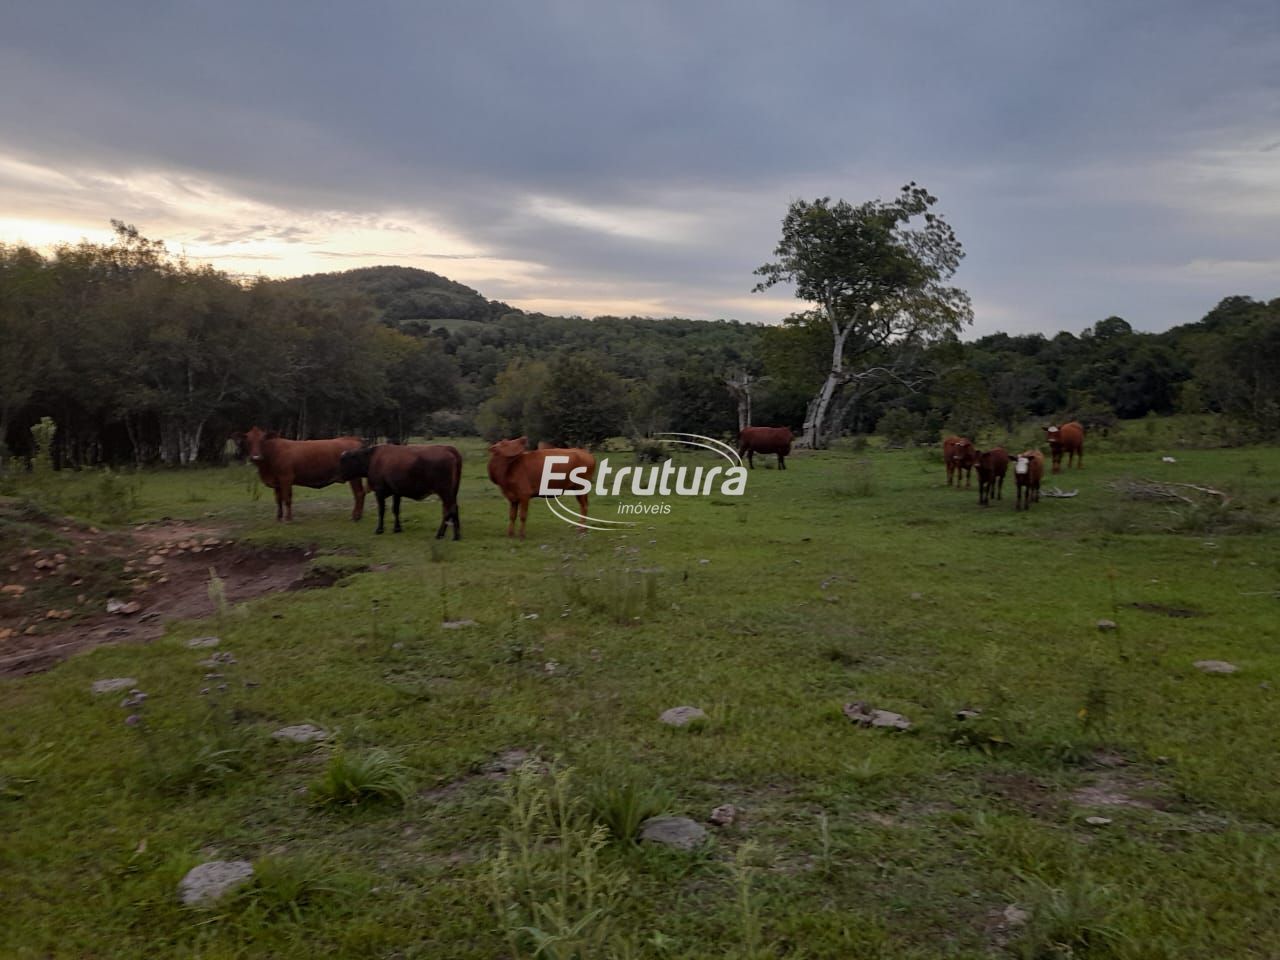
column 1051, row 431
column 962, row 452
column 251, row 443
column 354, row 463
column 509, row 448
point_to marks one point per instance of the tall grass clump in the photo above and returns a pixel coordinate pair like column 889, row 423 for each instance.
column 621, row 596
column 552, row 894
column 353, row 779
column 623, row 806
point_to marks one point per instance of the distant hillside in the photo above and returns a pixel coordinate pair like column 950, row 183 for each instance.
column 402, row 294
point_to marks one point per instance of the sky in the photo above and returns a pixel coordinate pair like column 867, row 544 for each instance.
column 637, row 158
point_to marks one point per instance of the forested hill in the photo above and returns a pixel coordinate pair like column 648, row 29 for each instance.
column 401, row 293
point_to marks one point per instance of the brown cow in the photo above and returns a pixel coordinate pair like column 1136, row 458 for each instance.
column 415, row 472
column 1028, row 468
column 992, row 465
column 765, row 440
column 518, row 472
column 1069, row 439
column 283, row 464
column 959, row 454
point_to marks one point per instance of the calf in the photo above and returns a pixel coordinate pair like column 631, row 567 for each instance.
column 415, row 472
column 283, row 464
column 1068, row 439
column 765, row 440
column 1027, row 471
column 992, row 465
column 958, row 454
column 517, row 471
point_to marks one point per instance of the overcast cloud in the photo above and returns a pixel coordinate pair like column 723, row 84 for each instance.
column 584, row 157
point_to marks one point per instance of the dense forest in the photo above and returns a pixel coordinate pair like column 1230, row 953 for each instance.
column 141, row 357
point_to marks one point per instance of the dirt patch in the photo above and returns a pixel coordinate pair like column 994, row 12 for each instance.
column 1022, row 791
column 1185, row 612
column 161, row 570
column 1116, row 789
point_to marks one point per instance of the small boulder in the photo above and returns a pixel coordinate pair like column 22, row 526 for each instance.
column 112, row 684
column 1097, row 821
column 865, row 715
column 723, row 815
column 13, row 589
column 210, row 881
column 681, row 716
column 1215, row 666
column 679, row 832
column 197, row 642
column 457, row 624
column 1106, row 625
column 300, row 733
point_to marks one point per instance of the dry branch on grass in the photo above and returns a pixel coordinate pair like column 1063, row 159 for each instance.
column 1142, row 489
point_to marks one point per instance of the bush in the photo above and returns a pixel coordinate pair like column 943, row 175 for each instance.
column 352, row 779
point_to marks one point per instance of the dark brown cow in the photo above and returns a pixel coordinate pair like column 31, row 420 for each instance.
column 765, row 440
column 285, row 464
column 518, row 472
column 992, row 465
column 959, row 454
column 1068, row 439
column 415, row 472
column 1028, row 469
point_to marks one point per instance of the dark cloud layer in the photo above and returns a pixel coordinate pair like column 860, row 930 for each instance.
column 1095, row 158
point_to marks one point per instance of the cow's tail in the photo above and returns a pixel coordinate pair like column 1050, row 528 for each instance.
column 457, row 475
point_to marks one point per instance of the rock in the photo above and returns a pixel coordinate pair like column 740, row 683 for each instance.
column 7, row 632
column 1097, row 821
column 300, row 733
column 703, row 562
column 724, row 815
column 681, row 716
column 1106, row 624
column 196, row 642
column 123, row 608
column 1216, row 666
column 1015, row 916
column 209, row 881
column 155, row 559
column 13, row 589
column 679, row 832
column 457, row 624
column 112, row 684
column 968, row 713
column 58, row 615
column 917, row 596
column 44, row 563
column 867, row 716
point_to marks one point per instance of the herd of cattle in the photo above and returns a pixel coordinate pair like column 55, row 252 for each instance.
column 396, row 471
column 960, row 454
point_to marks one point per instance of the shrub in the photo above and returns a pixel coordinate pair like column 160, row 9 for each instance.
column 623, row 807
column 371, row 777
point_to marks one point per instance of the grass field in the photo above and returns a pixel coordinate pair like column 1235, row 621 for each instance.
column 852, row 576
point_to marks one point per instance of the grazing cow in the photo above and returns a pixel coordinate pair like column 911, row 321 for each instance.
column 1068, row 439
column 283, row 464
column 992, row 465
column 1028, row 468
column 415, row 472
column 765, row 440
column 517, row 471
column 959, row 454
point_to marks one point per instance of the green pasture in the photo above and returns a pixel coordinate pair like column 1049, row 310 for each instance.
column 855, row 575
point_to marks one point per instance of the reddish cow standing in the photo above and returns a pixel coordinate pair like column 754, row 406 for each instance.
column 409, row 471
column 283, row 464
column 1028, row 468
column 992, row 465
column 1068, row 439
column 958, row 454
column 765, row 440
column 518, row 472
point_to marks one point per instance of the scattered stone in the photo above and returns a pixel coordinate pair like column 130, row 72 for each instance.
column 44, row 563
column 123, row 608
column 1097, row 821
column 300, row 733
column 704, row 562
column 679, row 832
column 865, row 715
column 6, row 633
column 197, row 642
column 724, row 815
column 58, row 615
column 457, row 624
column 1216, row 666
column 968, row 713
column 13, row 589
column 112, row 684
column 917, row 596
column 218, row 659
column 155, row 559
column 209, row 881
column 1106, row 624
column 681, row 716
column 1015, row 916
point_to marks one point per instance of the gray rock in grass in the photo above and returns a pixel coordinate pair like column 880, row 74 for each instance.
column 300, row 733
column 679, row 832
column 112, row 684
column 1216, row 666
column 210, row 881
column 681, row 716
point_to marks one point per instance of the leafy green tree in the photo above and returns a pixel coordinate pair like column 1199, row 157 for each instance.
column 877, row 274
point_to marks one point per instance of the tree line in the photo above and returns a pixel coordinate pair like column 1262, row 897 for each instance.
column 142, row 357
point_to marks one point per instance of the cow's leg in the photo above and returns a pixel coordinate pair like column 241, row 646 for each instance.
column 949, row 469
column 511, row 519
column 288, row 500
column 457, row 522
column 1000, row 488
column 968, row 476
column 395, row 508
column 582, row 509
column 751, row 459
column 357, row 492
column 279, row 503
column 382, row 510
column 524, row 516
column 782, row 462
column 446, row 511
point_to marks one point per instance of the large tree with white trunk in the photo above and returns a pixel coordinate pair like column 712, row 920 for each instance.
column 877, row 275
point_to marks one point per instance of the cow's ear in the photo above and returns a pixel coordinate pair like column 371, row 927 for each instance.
column 523, row 441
